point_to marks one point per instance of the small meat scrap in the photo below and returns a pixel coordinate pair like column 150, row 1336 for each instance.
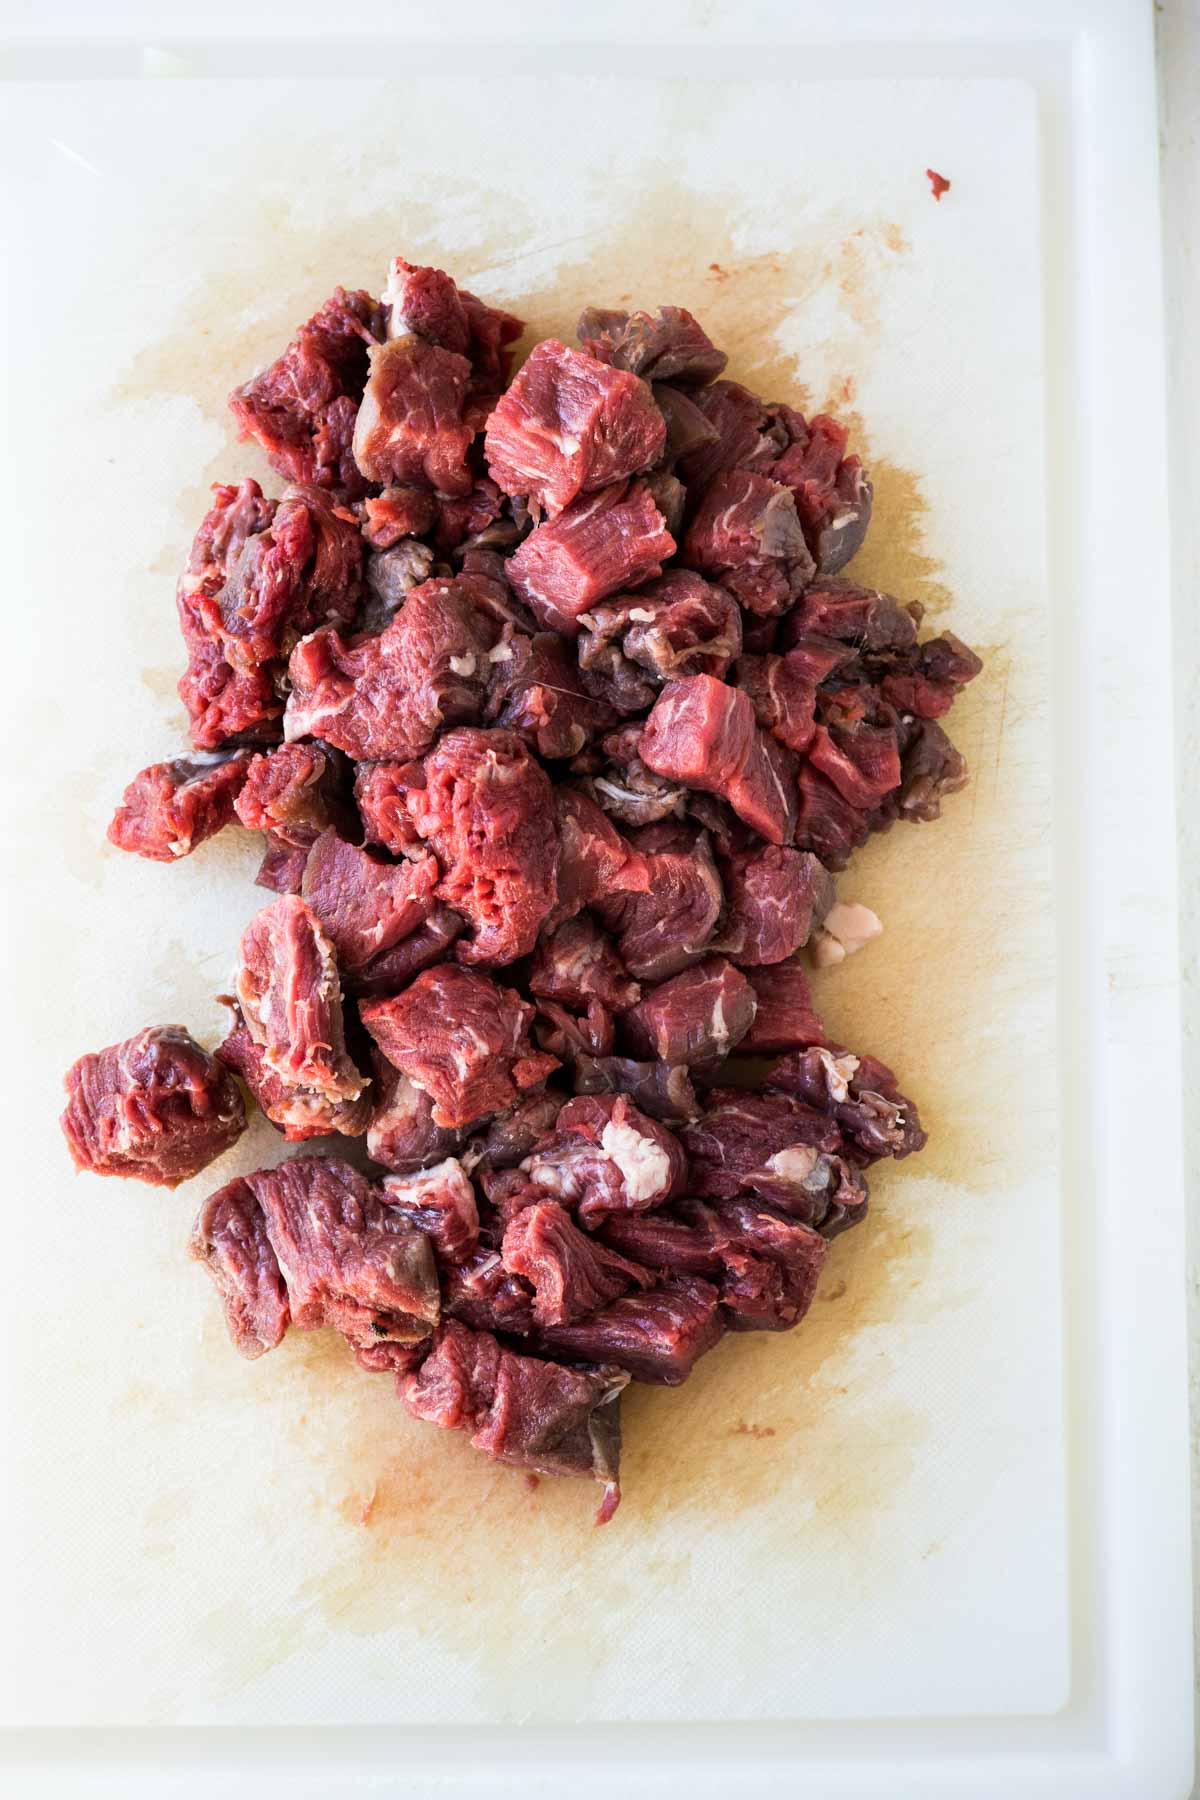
column 669, row 345
column 661, row 1090
column 482, row 1294
column 520, row 1410
column 783, row 696
column 401, row 511
column 291, row 795
column 388, row 696
column 298, row 1112
column 703, row 732
column 156, row 1108
column 747, row 535
column 571, row 1273
column 302, row 407
column 401, row 1134
column 599, row 545
column 349, row 1260
column 171, row 807
column 859, row 1093
column 578, row 962
column 414, row 424
column 439, row 1201
column 605, row 1156
column 696, row 1017
column 487, row 809
column 832, row 492
column 536, row 691
column 775, row 898
column 462, row 1039
column 668, row 924
column 938, row 183
column 230, row 1239
column 512, row 1135
column 365, row 906
column 569, row 425
column 290, row 996
column 656, row 1337
column 785, row 1019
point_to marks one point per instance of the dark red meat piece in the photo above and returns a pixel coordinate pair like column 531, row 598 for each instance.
column 741, row 1135
column 414, row 423
column 678, row 625
column 863, row 763
column 859, row 1093
column 171, row 807
column 669, row 345
column 695, row 1017
column 832, row 492
column 155, row 1108
column 595, row 861
column 439, row 1201
column 393, row 969
column 929, row 686
column 782, row 694
column 512, row 1135
column 774, row 898
column 855, row 615
column 290, row 997
column 230, row 1239
column 785, row 1019
column 605, row 1156
column 661, row 1090
column 746, row 534
column 577, row 962
column 602, row 543
column 930, row 768
column 536, row 691
column 826, row 823
column 571, row 1273
column 688, row 430
column 702, row 732
column 567, row 1035
column 735, row 417
column 299, row 1112
column 656, row 1337
column 667, row 925
column 482, row 1294
column 401, row 1134
column 365, row 906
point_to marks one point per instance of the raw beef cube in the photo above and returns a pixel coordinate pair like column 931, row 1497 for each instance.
column 577, row 962
column 535, row 691
column 827, row 823
column 668, row 925
column 291, row 794
column 402, row 1135
column 681, row 1240
column 741, row 1134
column 860, row 616
column 439, row 1201
column 381, row 790
column 669, row 345
column 389, row 696
column 702, row 732
column 571, row 1273
column 301, row 408
column 225, row 706
column 230, row 1239
column 602, row 543
column 487, row 808
column 291, row 1000
column 688, row 429
column 595, row 861
column 568, row 425
column 512, row 1135
column 785, row 1019
column 735, row 417
column 299, row 1112
column 156, row 1108
column 282, row 866
column 930, row 768
column 482, row 1294
column 771, row 1268
column 462, row 1039
column 237, row 515
column 365, row 906
column 428, row 304
column 412, row 425
column 782, row 695
column 929, row 688
column 349, row 1261
column 774, row 899
column 393, row 969
column 567, row 1035
column 605, row 1156
column 825, row 1193
column 859, row 1094
column 522, row 1411
column 172, row 806
column 678, row 625
column 656, row 1337
column 396, row 514
column 695, row 1017
column 747, row 536
column 863, row 764
column 833, row 494
column 661, row 1090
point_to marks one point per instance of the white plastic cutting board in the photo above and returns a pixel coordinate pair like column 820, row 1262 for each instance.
column 879, row 1519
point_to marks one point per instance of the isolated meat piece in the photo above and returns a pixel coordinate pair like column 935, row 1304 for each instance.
column 171, row 807
column 741, row 1134
column 746, row 535
column 774, row 899
column 785, row 1019
column 535, row 691
column 870, row 620
column 398, row 513
column 381, row 790
column 735, row 417
column 660, row 1090
column 595, row 862
column 462, row 1039
column 155, row 1108
column 393, row 969
column 695, row 1017
column 859, row 1094
column 487, row 809
column 290, row 997
column 862, row 763
column 669, row 345
column 702, row 732
column 577, row 962
column 668, row 925
column 927, row 684
column 568, row 425
column 389, row 696
column 365, row 906
column 827, row 823
column 401, row 1134
column 512, row 1135
column 299, row 1112
column 567, row 1035
column 224, row 705
column 412, row 425
column 349, row 1261
column 656, row 1337
column 782, row 694
column 846, row 928
column 520, row 1410
column 301, row 408
column 439, row 1201
column 481, row 1293
column 230, row 1239
column 605, row 1156
column 601, row 544
column 678, row 625
column 571, row 1273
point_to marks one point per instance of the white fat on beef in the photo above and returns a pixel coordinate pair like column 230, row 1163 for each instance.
column 847, row 926
column 795, row 1164
column 839, row 1072
column 645, row 1166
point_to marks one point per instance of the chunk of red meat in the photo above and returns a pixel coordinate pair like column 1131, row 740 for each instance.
column 668, row 925
column 348, row 1260
column 439, row 1201
column 833, row 494
column 782, row 695
column 414, row 423
column 389, row 696
column 521, row 1410
column 156, row 1108
column 774, row 899
column 393, row 969
column 486, row 808
column 695, row 1017
column 746, row 534
column 291, row 1001
column 688, row 430
column 363, row 905
column 930, row 768
column 785, row 1019
column 492, row 331
column 571, row 1273
column 467, row 516
column 702, row 732
column 427, row 303
column 225, row 705
column 577, row 962
column 567, row 1035
column 600, row 544
column 929, row 688
column 863, row 764
column 301, row 408
column 661, row 1090
column 741, row 1135
column 512, row 1135
column 236, row 515
column 291, row 795
column 230, row 1239
column 657, row 1337
column 594, row 861
column 482, row 1294
column 669, row 345
column 535, row 691
column 299, row 1112
column 859, row 1094
column 401, row 1134
column 171, row 807
column 864, row 617
column 678, row 625
column 398, row 513
column 462, row 1039
column 735, row 417
column 569, row 425
column 605, row 1156
column 826, row 823
column 381, row 790
column 282, row 866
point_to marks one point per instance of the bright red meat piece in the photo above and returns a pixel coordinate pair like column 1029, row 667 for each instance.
column 365, row 906
column 297, row 1111
column 230, row 1239
column 595, row 861
column 414, row 423
column 667, row 923
column 698, row 1016
column 703, row 732
column 156, row 1108
column 602, row 543
column 747, row 535
column 291, row 1001
column 171, row 807
column 571, row 1273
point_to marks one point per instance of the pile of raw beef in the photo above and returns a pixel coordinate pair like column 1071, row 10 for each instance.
column 554, row 714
